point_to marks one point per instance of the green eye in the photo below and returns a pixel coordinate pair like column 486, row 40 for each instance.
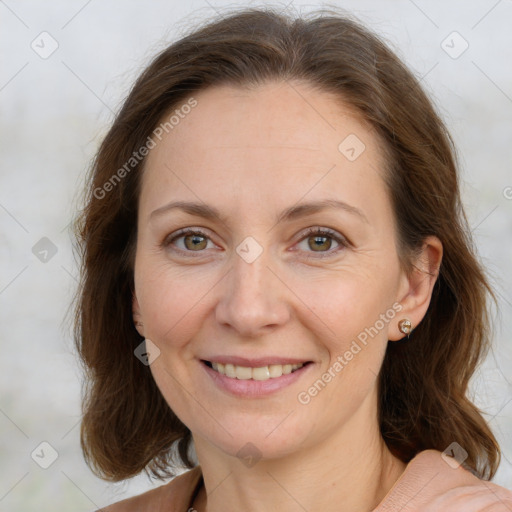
column 320, row 241
column 193, row 240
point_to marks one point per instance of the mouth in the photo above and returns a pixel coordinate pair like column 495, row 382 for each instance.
column 261, row 373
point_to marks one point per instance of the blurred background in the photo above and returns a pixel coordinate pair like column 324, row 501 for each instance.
column 65, row 68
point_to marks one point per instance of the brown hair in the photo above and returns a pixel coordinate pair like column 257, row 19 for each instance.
column 127, row 425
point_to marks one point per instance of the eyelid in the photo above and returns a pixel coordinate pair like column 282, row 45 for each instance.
column 326, row 231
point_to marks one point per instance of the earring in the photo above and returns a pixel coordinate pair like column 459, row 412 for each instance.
column 405, row 326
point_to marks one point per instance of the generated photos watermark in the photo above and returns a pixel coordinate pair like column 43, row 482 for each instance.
column 137, row 156
column 305, row 397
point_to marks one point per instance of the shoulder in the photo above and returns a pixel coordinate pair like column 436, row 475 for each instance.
column 433, row 482
column 173, row 496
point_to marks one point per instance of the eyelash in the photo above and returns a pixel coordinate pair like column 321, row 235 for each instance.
column 315, row 231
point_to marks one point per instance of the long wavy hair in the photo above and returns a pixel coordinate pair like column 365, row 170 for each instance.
column 127, row 426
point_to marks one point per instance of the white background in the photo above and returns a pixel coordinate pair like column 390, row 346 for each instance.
column 53, row 113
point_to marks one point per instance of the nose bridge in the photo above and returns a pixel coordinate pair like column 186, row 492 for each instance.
column 252, row 296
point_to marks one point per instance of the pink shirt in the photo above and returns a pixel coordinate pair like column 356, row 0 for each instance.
column 428, row 484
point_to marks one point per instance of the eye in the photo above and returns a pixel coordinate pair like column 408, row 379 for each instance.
column 319, row 240
column 192, row 240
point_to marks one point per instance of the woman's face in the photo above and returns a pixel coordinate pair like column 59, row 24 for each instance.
column 256, row 286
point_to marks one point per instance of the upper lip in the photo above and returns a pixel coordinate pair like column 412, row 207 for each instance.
column 255, row 362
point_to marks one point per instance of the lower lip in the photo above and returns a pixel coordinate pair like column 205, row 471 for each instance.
column 250, row 388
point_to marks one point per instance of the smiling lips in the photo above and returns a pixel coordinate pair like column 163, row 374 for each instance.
column 271, row 371
column 250, row 378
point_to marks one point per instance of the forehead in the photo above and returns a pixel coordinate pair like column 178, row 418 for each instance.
column 282, row 139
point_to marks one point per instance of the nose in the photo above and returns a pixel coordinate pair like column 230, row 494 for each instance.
column 253, row 298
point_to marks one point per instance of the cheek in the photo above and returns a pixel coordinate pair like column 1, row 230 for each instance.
column 348, row 325
column 171, row 301
column 344, row 304
column 349, row 329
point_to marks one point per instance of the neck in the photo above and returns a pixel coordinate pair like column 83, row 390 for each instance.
column 350, row 470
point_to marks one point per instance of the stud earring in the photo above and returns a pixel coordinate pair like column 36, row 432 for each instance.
column 405, row 326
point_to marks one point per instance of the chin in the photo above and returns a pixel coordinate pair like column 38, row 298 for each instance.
column 255, row 440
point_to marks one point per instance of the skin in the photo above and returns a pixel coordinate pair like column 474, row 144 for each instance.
column 251, row 154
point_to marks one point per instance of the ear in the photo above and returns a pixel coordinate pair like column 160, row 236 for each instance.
column 137, row 316
column 415, row 291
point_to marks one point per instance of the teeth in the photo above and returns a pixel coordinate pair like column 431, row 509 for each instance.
column 242, row 372
column 275, row 370
column 230, row 371
column 263, row 373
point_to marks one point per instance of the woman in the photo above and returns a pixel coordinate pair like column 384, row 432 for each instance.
column 277, row 267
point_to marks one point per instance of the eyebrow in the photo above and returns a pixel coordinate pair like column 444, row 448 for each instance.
column 291, row 213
